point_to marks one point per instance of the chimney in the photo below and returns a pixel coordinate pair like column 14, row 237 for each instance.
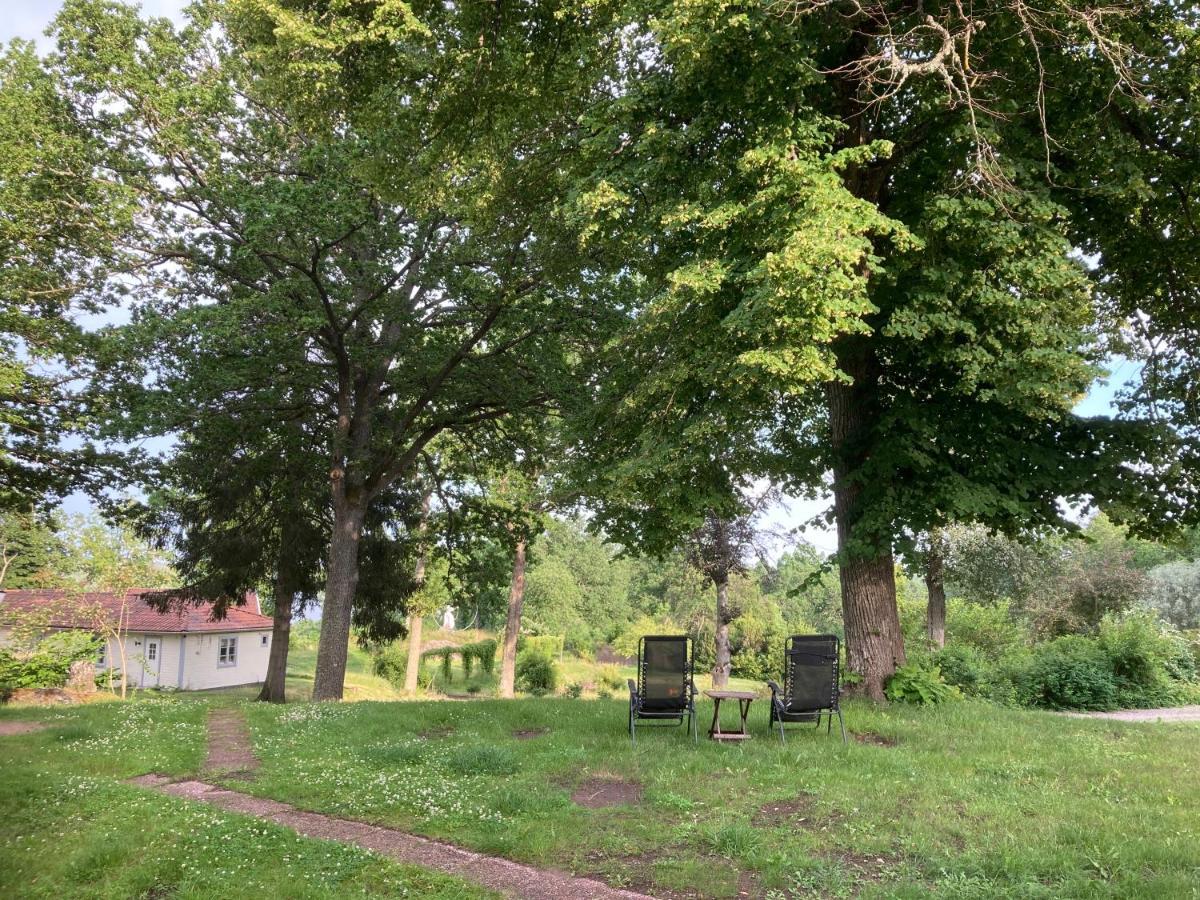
column 252, row 601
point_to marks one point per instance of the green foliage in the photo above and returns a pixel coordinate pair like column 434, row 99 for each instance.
column 1069, row 672
column 47, row 662
column 390, row 662
column 611, row 677
column 550, row 645
column 920, row 683
column 574, row 690
column 1174, row 592
column 536, row 673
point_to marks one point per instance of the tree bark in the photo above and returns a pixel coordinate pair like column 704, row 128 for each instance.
column 935, row 586
column 416, row 619
column 273, row 689
column 416, row 623
column 516, row 599
column 722, row 664
column 874, row 643
column 340, row 587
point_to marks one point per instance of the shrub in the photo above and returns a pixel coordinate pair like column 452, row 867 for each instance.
column 992, row 629
column 964, row 667
column 920, row 682
column 1148, row 659
column 390, row 662
column 536, row 673
column 47, row 662
column 1070, row 672
column 574, row 690
column 610, row 676
column 550, row 645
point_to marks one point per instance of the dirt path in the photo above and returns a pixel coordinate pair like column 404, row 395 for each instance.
column 491, row 872
column 1172, row 714
column 17, row 727
column 230, row 750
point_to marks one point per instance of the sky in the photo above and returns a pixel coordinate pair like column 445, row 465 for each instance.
column 28, row 19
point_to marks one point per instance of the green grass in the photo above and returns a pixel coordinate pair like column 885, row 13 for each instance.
column 972, row 801
column 70, row 827
column 969, row 800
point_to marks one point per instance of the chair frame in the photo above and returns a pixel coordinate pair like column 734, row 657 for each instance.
column 781, row 698
column 637, row 692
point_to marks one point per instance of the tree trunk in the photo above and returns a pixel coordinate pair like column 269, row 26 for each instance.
column 516, row 599
column 936, row 587
column 281, row 630
column 874, row 643
column 340, row 587
column 722, row 664
column 416, row 619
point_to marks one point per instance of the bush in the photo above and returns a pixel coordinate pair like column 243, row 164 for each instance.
column 47, row 662
column 574, row 690
column 626, row 643
column 550, row 645
column 920, row 682
column 964, row 667
column 536, row 673
column 1148, row 659
column 1070, row 672
column 611, row 677
column 390, row 662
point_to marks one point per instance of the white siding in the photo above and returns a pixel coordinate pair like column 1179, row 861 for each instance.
column 199, row 657
column 200, row 663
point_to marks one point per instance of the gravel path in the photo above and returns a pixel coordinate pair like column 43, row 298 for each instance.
column 1172, row 714
column 491, row 872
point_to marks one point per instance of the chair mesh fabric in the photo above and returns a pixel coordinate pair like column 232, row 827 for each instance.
column 812, row 672
column 664, row 673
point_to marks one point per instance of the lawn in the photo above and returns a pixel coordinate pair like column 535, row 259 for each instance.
column 69, row 827
column 965, row 800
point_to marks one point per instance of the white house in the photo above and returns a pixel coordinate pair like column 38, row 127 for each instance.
column 181, row 648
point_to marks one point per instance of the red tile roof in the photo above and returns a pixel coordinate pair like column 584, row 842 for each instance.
column 74, row 610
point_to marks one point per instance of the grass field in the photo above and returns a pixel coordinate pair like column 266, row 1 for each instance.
column 961, row 801
column 965, row 800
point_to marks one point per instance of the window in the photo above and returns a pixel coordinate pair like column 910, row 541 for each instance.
column 227, row 652
column 152, row 651
column 265, row 640
column 102, row 656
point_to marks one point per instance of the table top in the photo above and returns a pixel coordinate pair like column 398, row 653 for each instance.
column 731, row 695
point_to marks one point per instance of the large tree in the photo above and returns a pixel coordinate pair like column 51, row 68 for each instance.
column 377, row 185
column 57, row 235
column 847, row 256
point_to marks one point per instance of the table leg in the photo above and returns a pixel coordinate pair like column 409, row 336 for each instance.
column 745, row 710
column 716, row 723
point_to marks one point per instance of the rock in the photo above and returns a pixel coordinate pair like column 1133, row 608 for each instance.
column 83, row 677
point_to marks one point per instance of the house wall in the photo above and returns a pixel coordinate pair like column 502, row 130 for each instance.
column 200, row 667
column 199, row 654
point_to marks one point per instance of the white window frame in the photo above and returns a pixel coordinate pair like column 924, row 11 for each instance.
column 227, row 652
column 151, row 651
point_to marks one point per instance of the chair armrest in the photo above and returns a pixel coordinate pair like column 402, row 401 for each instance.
column 632, row 689
column 776, row 694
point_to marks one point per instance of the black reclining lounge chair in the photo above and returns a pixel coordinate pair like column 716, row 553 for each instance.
column 810, row 683
column 664, row 690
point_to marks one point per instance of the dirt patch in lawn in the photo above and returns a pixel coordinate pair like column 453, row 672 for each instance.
column 867, row 866
column 439, row 732
column 230, row 752
column 598, row 793
column 801, row 811
column 530, row 734
column 7, row 728
column 875, row 740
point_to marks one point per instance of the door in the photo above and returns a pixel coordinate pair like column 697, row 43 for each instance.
column 151, row 662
